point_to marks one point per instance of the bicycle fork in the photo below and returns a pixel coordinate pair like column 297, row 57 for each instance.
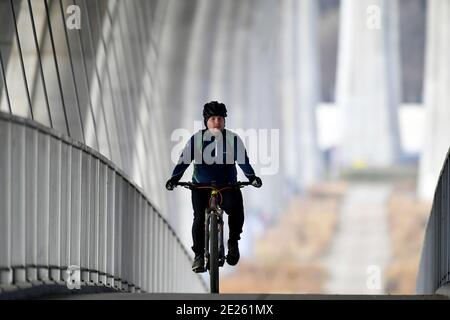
column 208, row 213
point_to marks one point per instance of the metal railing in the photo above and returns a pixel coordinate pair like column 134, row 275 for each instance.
column 434, row 270
column 63, row 204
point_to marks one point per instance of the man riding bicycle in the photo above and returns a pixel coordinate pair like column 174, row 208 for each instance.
column 215, row 151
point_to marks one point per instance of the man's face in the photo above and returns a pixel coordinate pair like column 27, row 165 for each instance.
column 216, row 123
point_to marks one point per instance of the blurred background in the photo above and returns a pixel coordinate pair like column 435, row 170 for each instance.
column 357, row 90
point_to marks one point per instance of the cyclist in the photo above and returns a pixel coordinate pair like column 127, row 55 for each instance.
column 215, row 151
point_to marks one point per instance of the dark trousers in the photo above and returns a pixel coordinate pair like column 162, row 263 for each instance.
column 232, row 205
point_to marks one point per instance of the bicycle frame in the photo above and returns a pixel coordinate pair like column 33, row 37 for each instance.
column 214, row 242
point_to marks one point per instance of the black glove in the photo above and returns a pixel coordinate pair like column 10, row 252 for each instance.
column 256, row 182
column 170, row 184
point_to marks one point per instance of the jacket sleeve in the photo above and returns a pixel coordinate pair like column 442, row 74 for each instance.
column 241, row 158
column 184, row 161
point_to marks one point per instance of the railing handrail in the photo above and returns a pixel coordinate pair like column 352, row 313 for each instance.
column 95, row 154
column 428, row 278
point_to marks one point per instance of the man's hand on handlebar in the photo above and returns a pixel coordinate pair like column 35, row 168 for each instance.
column 256, row 182
column 170, row 184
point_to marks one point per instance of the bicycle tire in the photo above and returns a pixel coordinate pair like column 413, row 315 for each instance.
column 214, row 254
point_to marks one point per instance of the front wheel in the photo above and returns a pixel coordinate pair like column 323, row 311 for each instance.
column 214, row 254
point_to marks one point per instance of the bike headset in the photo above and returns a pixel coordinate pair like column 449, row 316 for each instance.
column 214, row 192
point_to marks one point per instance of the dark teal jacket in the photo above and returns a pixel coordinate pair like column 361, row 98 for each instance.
column 214, row 161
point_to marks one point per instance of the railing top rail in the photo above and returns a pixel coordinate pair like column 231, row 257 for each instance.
column 54, row 133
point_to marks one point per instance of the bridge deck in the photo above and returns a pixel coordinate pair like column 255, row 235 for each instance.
column 199, row 296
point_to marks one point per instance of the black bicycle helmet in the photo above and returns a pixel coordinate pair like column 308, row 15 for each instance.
column 214, row 108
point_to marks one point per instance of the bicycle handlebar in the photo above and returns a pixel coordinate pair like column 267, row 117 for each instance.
column 192, row 185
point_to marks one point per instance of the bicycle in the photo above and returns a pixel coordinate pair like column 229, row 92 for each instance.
column 214, row 247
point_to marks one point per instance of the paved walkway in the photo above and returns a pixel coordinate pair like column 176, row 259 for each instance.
column 361, row 248
column 187, row 297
